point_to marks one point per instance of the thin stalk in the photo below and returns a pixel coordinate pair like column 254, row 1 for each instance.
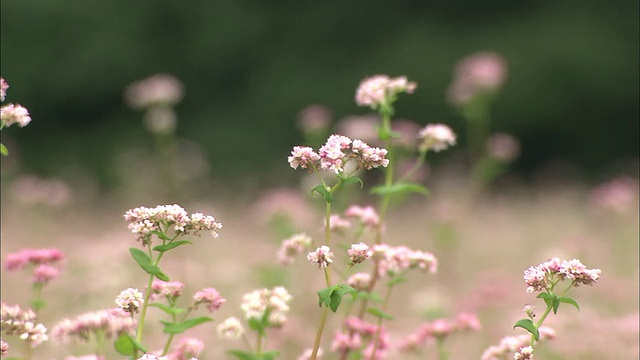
column 443, row 354
column 316, row 344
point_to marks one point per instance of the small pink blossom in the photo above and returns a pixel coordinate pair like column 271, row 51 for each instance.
column 22, row 323
column 359, row 253
column 231, row 328
column 14, row 114
column 130, row 300
column 45, row 273
column 187, row 348
column 291, row 247
column 211, row 297
column 436, row 137
column 617, row 196
column 274, row 302
column 109, row 323
column 366, row 215
column 545, row 275
column 20, row 259
column 377, row 90
column 475, row 74
column 304, row 157
column 360, row 281
column 323, row 256
column 503, row 147
column 169, row 289
column 3, row 90
column 346, row 341
column 314, row 118
column 338, row 223
column 511, row 344
column 525, row 353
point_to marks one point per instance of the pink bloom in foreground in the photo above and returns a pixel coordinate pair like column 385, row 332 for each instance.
column 545, row 275
column 381, row 89
column 14, row 114
column 359, row 253
column 304, row 157
column 22, row 323
column 211, row 297
column 436, row 137
column 323, row 256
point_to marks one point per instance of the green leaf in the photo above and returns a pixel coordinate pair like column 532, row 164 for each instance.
column 169, row 246
column 528, row 325
column 568, row 300
column 161, row 235
column 379, row 313
column 168, row 309
column 351, row 180
column 3, row 150
column 322, row 190
column 338, row 292
column 369, row 296
column 145, row 263
column 399, row 189
column 324, row 296
column 259, row 325
column 549, row 299
column 127, row 345
column 269, row 355
column 242, row 355
column 38, row 304
column 177, row 328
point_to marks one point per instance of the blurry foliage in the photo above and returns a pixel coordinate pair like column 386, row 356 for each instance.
column 250, row 66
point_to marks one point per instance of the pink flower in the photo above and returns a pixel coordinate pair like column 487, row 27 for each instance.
column 525, row 353
column 169, row 289
column 231, row 328
column 260, row 302
column 304, row 157
column 478, row 73
column 618, row 196
column 3, row 92
column 436, row 137
column 369, row 157
column 546, row 275
column 346, row 341
column 187, row 348
column 14, row 114
column 380, row 89
column 211, row 297
column 20, row 259
column 109, row 323
column 15, row 321
column 359, row 281
column 366, row 215
column 323, row 257
column 359, row 253
column 130, row 300
column 314, row 118
column 291, row 247
column 45, row 273
column 332, row 153
column 503, row 147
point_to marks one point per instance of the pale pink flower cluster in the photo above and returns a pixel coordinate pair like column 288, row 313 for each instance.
column 143, row 221
column 231, row 328
column 503, row 147
column 168, row 289
column 511, row 344
column 366, row 215
column 109, row 323
column 395, row 260
column 359, row 253
column 440, row 329
column 545, row 275
column 130, row 300
column 335, row 153
column 436, row 137
column 45, row 263
column 619, row 196
column 188, row 348
column 157, row 90
column 33, row 190
column 338, row 223
column 211, row 297
column 306, row 355
column 3, row 89
column 525, row 353
column 291, row 247
column 379, row 90
column 360, row 281
column 15, row 321
column 273, row 302
column 358, row 334
column 475, row 74
column 322, row 257
column 14, row 114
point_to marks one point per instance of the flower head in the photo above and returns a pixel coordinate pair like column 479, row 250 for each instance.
column 211, row 297
column 109, row 323
column 168, row 289
column 436, row 137
column 3, row 92
column 291, row 247
column 15, row 321
column 475, row 74
column 14, row 114
column 231, row 328
column 323, row 256
column 381, row 89
column 544, row 276
column 187, row 348
column 157, row 90
column 130, row 300
column 27, row 256
column 367, row 215
column 359, row 253
column 274, row 302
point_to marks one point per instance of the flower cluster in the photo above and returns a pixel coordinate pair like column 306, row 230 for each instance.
column 335, row 153
column 188, row 348
column 15, row 321
column 168, row 289
column 618, row 196
column 366, row 215
column 394, row 260
column 440, row 329
column 512, row 344
column 360, row 281
column 211, row 297
column 231, row 328
column 12, row 113
column 45, row 263
column 109, row 323
column 359, row 253
column 358, row 334
column 323, row 257
column 478, row 73
column 130, row 300
column 379, row 90
column 436, row 137
column 144, row 221
column 544, row 276
column 157, row 90
column 273, row 303
column 291, row 247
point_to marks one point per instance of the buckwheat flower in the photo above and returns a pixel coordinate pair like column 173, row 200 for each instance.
column 14, row 114
column 231, row 328
column 338, row 223
column 306, row 355
column 3, row 89
column 304, row 157
column 211, row 297
column 511, row 344
column 260, row 302
column 367, row 215
column 380, row 89
column 476, row 74
column 525, row 353
column 157, row 90
column 199, row 221
column 369, row 157
column 322, row 256
column 436, row 137
column 359, row 253
column 168, row 289
column 291, row 247
column 278, row 304
column 424, row 260
column 503, row 147
column 254, row 304
column 20, row 259
column 467, row 321
column 314, row 118
column 617, row 196
column 130, row 300
column 187, row 348
column 4, row 347
column 578, row 273
column 109, row 323
column 332, row 153
column 45, row 273
column 346, row 341
column 360, row 281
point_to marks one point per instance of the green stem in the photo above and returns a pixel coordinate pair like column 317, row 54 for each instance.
column 443, row 354
column 316, row 343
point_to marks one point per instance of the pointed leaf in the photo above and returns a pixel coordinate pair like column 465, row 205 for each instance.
column 379, row 313
column 169, row 246
column 398, row 189
column 338, row 292
column 145, row 263
column 187, row 324
column 324, row 296
column 168, row 309
column 351, row 180
column 161, row 235
column 3, row 150
column 322, row 190
column 568, row 300
column 549, row 299
column 528, row 325
column 127, row 345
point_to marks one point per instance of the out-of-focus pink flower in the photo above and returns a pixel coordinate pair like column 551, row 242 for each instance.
column 367, row 215
column 188, row 348
column 130, row 300
column 231, row 328
column 291, row 247
column 475, row 74
column 436, row 137
column 619, row 196
column 14, row 114
column 511, row 344
column 381, row 89
column 211, row 297
column 20, row 259
column 15, row 321
column 32, row 190
column 360, row 127
column 109, row 323
column 275, row 301
column 395, row 260
column 45, row 273
column 503, row 147
column 346, row 341
column 157, row 90
column 3, row 94
column 406, row 130
column 314, row 118
column 169, row 289
column 360, row 281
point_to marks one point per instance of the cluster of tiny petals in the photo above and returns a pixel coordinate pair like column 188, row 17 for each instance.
column 393, row 260
column 323, row 257
column 541, row 277
column 188, row 348
column 15, row 321
column 274, row 302
column 359, row 253
column 109, row 323
column 338, row 223
column 380, row 89
column 130, row 300
column 525, row 353
column 436, row 137
column 4, row 347
column 14, row 114
column 169, row 289
column 513, row 344
column 291, row 247
column 360, row 333
column 143, row 221
column 440, row 329
column 20, row 259
column 335, row 153
column 477, row 73
column 211, row 297
column 45, row 273
column 3, row 90
column 231, row 328
column 360, row 281
column 366, row 215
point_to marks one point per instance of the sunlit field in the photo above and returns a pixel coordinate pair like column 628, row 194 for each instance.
column 471, row 232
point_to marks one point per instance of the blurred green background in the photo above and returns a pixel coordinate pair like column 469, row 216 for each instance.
column 250, row 66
